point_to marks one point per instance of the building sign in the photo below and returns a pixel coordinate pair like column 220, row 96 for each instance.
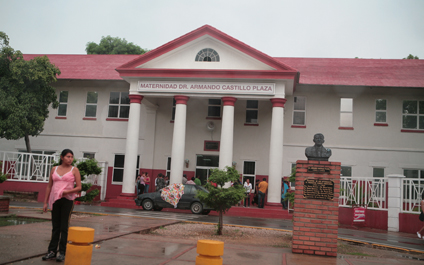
column 318, row 189
column 359, row 214
column 207, row 87
column 318, row 169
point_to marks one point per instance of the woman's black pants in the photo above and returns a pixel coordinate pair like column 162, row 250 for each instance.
column 61, row 215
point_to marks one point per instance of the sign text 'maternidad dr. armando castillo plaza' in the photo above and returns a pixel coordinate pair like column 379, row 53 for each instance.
column 205, row 87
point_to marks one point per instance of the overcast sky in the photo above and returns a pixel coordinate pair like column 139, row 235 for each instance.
column 385, row 29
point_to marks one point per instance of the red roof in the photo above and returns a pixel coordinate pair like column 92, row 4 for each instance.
column 92, row 67
column 318, row 71
column 359, row 72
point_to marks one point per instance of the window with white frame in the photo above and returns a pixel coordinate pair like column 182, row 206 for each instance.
column 299, row 111
column 413, row 115
column 63, row 104
column 414, row 173
column 381, row 111
column 214, row 108
column 118, row 169
column 88, row 155
column 207, row 55
column 252, row 111
column 346, row 171
column 346, row 112
column 249, row 170
column 119, row 105
column 91, row 105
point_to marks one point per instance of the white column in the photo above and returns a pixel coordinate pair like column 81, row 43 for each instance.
column 178, row 139
column 227, row 133
column 394, row 203
column 276, row 150
column 131, row 150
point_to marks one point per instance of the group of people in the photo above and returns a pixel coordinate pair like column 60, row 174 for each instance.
column 259, row 192
column 142, row 183
column 161, row 181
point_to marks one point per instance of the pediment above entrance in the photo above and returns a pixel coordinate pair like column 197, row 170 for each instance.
column 177, row 59
column 226, row 56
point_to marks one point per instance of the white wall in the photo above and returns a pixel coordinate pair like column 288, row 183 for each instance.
column 362, row 148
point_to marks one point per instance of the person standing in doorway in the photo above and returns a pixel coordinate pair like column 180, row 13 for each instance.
column 141, row 183
column 263, row 187
column 284, row 190
column 64, row 184
column 146, row 182
column 197, row 181
column 248, row 187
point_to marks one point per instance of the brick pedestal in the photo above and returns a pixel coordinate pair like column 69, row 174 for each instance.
column 4, row 204
column 315, row 221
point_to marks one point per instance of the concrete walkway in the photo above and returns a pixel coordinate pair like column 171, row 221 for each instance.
column 123, row 240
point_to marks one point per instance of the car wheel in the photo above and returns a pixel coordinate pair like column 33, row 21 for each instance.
column 206, row 212
column 157, row 209
column 196, row 208
column 147, row 205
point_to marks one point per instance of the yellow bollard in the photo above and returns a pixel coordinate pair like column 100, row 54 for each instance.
column 79, row 248
column 210, row 252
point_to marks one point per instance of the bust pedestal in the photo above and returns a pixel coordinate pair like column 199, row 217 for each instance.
column 316, row 208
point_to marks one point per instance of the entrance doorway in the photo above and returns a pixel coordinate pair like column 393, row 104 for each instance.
column 204, row 163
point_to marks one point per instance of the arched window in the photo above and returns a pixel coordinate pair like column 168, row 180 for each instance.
column 207, row 55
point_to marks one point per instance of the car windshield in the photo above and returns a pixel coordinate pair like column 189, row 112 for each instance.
column 202, row 189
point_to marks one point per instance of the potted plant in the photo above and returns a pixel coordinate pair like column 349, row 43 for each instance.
column 86, row 168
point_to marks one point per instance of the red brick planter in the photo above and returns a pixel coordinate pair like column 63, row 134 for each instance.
column 4, row 204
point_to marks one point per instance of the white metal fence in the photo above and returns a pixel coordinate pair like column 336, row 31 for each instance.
column 26, row 167
column 364, row 191
column 411, row 191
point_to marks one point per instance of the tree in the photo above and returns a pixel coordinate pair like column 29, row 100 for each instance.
column 410, row 56
column 113, row 45
column 25, row 93
column 219, row 198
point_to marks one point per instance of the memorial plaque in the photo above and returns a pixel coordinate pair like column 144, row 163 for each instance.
column 319, row 170
column 318, row 189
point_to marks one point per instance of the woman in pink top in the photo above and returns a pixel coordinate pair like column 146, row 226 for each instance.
column 64, row 184
column 146, row 182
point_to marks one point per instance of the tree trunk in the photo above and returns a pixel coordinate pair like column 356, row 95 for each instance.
column 28, row 145
column 219, row 232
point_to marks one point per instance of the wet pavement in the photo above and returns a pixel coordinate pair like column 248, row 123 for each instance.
column 120, row 233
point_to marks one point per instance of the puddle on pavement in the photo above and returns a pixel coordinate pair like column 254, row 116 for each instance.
column 169, row 250
column 249, row 255
column 13, row 220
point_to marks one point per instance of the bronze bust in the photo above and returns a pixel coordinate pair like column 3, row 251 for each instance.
column 318, row 152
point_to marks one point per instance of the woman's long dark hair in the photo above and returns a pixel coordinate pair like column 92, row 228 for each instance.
column 64, row 153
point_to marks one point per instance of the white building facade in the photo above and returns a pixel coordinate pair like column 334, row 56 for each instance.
column 207, row 100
